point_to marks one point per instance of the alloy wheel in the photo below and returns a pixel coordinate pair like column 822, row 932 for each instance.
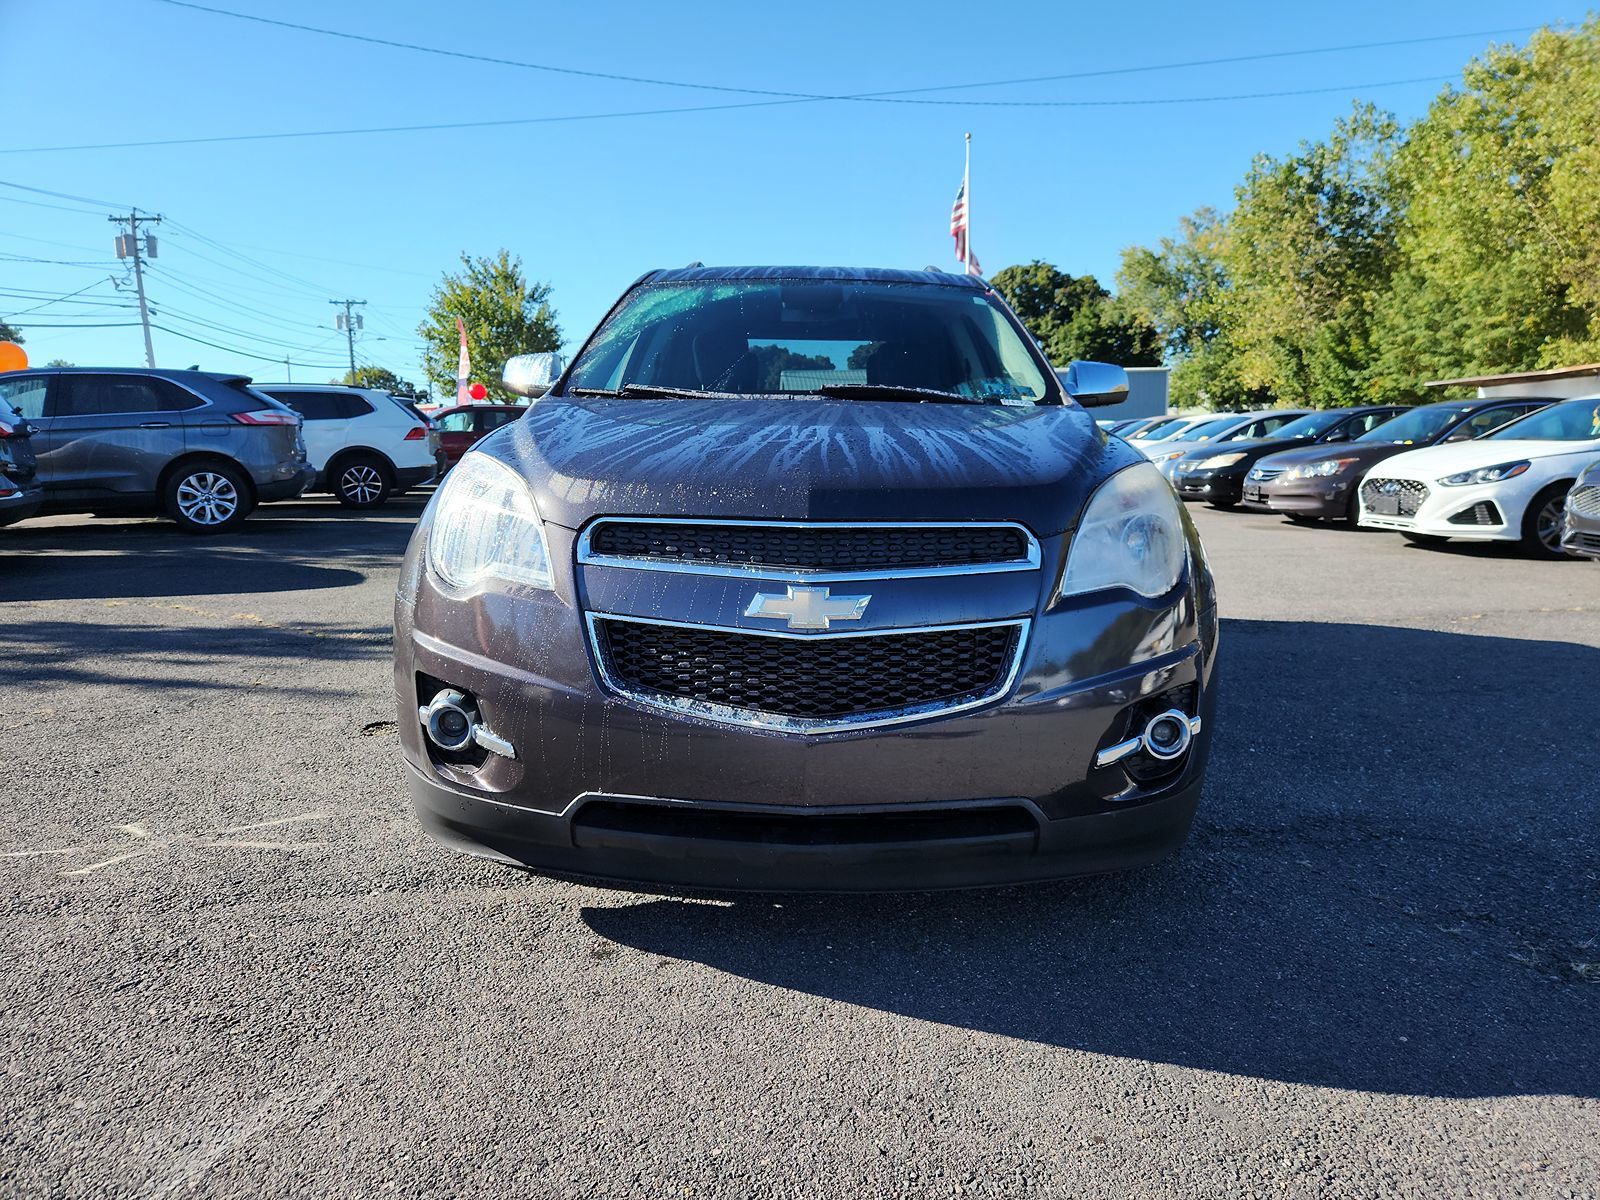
column 208, row 498
column 361, row 484
column 1548, row 524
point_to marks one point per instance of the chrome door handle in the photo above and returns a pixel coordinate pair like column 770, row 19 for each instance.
column 156, row 425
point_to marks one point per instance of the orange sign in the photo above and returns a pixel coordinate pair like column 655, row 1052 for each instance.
column 12, row 357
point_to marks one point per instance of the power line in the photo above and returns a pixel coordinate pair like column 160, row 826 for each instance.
column 659, row 112
column 82, row 212
column 242, row 353
column 63, row 195
column 896, row 95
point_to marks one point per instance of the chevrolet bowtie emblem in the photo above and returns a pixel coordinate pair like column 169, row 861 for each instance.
column 807, row 607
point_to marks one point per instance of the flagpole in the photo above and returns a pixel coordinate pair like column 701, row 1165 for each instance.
column 966, row 190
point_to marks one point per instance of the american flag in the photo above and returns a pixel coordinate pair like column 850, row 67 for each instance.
column 958, row 230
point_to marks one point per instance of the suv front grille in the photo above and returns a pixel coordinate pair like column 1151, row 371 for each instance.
column 864, row 549
column 1409, row 494
column 808, row 683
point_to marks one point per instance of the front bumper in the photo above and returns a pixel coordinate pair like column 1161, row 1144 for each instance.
column 1327, row 496
column 1222, row 485
column 1506, row 505
column 410, row 477
column 607, row 788
column 1581, row 535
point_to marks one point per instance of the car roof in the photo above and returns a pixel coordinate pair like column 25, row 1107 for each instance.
column 158, row 372
column 837, row 274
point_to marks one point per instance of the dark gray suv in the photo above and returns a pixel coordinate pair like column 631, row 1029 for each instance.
column 807, row 578
column 204, row 448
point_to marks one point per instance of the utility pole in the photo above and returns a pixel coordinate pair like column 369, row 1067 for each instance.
column 128, row 247
column 349, row 323
column 288, row 370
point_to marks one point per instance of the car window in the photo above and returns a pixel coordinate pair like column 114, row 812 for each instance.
column 1365, row 423
column 1151, row 432
column 313, row 406
column 456, row 422
column 1573, row 421
column 117, row 395
column 353, row 406
column 26, row 395
column 1492, row 418
column 1416, row 427
column 490, row 418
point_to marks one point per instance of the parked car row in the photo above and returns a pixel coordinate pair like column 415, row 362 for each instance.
column 205, row 448
column 1523, row 470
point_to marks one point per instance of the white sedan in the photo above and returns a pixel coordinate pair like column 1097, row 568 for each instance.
column 1508, row 486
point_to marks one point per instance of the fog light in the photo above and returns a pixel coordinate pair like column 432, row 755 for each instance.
column 452, row 723
column 1167, row 735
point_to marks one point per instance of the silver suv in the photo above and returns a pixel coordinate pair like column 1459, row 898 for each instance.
column 204, row 448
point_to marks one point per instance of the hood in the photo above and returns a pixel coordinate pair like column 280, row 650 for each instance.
column 1365, row 454
column 1251, row 450
column 821, row 460
column 1432, row 462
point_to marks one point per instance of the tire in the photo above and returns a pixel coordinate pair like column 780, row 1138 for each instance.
column 1541, row 524
column 1424, row 539
column 208, row 497
column 362, row 481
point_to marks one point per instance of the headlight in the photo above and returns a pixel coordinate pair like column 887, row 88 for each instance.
column 1495, row 474
column 486, row 527
column 1328, row 466
column 1131, row 536
column 1167, row 457
column 1219, row 460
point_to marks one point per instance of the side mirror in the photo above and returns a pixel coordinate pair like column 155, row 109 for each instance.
column 1337, row 435
column 1095, row 384
column 1464, row 434
column 532, row 374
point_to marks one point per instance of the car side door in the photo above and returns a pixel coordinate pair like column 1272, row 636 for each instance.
column 109, row 436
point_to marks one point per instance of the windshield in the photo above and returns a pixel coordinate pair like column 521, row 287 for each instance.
column 1161, row 429
column 1311, row 425
column 1418, row 425
column 1574, row 421
column 865, row 339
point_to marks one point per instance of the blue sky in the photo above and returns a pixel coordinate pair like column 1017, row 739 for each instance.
column 590, row 204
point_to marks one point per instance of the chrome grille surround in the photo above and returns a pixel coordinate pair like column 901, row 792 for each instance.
column 1027, row 560
column 781, row 723
column 1264, row 474
column 1021, row 541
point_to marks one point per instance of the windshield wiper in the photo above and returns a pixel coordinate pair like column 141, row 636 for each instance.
column 889, row 391
column 644, row 391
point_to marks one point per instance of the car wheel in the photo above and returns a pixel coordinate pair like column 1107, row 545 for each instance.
column 1541, row 524
column 362, row 482
column 1424, row 539
column 208, row 498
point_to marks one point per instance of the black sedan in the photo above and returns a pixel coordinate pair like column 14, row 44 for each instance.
column 1217, row 474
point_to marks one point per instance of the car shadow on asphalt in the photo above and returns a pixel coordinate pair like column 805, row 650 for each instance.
column 1391, row 888
column 97, row 560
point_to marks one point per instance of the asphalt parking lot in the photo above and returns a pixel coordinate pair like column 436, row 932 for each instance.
column 230, row 965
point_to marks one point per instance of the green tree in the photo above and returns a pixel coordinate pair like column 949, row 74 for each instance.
column 10, row 333
column 1312, row 246
column 382, row 379
column 1500, row 248
column 60, row 362
column 505, row 314
column 1074, row 317
column 1182, row 289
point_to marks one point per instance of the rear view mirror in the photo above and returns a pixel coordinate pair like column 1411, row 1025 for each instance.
column 532, row 374
column 1095, row 384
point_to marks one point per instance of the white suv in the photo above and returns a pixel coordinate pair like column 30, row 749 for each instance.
column 365, row 444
